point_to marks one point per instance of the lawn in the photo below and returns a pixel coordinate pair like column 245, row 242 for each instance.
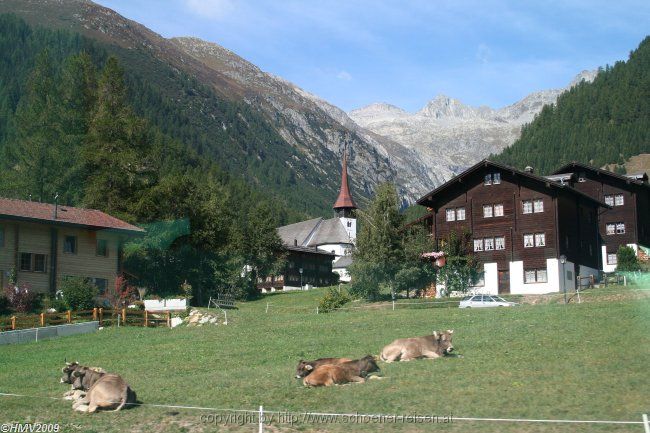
column 545, row 361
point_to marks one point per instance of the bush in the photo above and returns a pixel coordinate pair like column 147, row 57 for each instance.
column 333, row 299
column 78, row 293
column 626, row 259
column 21, row 299
column 4, row 305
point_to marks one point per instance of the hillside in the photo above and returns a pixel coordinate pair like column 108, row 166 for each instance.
column 603, row 122
column 448, row 135
column 255, row 125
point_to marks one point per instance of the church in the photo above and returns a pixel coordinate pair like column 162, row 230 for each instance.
column 319, row 246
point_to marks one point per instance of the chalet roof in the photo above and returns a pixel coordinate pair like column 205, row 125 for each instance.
column 639, row 179
column 314, row 232
column 66, row 215
column 344, row 200
column 342, row 262
column 311, row 250
column 426, row 199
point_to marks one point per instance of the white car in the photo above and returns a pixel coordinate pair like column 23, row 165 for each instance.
column 483, row 301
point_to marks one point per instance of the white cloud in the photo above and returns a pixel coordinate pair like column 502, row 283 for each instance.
column 483, row 53
column 344, row 75
column 210, row 8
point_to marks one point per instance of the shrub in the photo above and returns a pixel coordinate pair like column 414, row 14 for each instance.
column 4, row 304
column 21, row 299
column 333, row 299
column 121, row 295
column 626, row 259
column 78, row 293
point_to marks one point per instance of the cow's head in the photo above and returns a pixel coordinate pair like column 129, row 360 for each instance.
column 70, row 367
column 304, row 369
column 369, row 364
column 444, row 340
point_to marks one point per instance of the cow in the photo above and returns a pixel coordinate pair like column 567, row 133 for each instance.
column 306, row 367
column 430, row 346
column 105, row 391
column 345, row 372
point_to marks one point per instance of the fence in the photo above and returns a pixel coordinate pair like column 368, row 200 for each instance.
column 393, row 305
column 105, row 317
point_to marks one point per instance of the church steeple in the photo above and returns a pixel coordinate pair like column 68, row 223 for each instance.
column 344, row 204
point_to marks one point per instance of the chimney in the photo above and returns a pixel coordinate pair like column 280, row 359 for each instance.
column 295, row 242
column 529, row 169
column 56, row 205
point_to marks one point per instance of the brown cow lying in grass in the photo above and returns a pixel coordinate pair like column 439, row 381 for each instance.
column 306, row 367
column 430, row 346
column 345, row 372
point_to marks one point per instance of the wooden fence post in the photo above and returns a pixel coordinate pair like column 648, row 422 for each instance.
column 13, row 323
column 169, row 320
column 95, row 314
column 124, row 316
column 101, row 317
column 42, row 319
column 69, row 316
column 146, row 319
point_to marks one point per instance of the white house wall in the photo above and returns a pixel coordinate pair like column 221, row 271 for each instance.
column 338, row 249
column 554, row 275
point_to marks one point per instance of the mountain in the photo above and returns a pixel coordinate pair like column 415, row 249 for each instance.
column 448, row 135
column 604, row 122
column 255, row 125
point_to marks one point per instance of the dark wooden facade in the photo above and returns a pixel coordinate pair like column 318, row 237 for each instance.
column 566, row 218
column 633, row 210
column 316, row 268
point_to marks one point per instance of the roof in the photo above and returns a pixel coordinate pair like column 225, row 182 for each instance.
column 639, row 179
column 487, row 163
column 312, row 250
column 344, row 200
column 314, row 232
column 342, row 262
column 66, row 215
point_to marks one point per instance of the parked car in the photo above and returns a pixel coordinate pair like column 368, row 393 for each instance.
column 483, row 301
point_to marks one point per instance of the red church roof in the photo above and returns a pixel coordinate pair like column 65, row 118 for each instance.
column 66, row 215
column 344, row 199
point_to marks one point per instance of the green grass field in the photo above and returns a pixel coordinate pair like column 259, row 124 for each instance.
column 546, row 361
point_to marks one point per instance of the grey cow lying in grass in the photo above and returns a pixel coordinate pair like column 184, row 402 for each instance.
column 94, row 388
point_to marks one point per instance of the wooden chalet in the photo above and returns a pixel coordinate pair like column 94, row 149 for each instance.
column 627, row 221
column 43, row 243
column 520, row 224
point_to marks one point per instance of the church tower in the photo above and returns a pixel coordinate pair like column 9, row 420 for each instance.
column 344, row 205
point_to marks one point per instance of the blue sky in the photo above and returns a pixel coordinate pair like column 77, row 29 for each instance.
column 353, row 53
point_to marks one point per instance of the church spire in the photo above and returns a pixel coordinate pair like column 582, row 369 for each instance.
column 344, row 204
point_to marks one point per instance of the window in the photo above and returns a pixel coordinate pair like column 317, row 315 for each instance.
column 527, row 206
column 25, row 261
column 488, row 179
column 496, row 178
column 612, row 259
column 478, row 244
column 487, row 211
column 489, row 244
column 582, row 177
column 620, row 228
column 540, row 239
column 349, row 224
column 609, row 200
column 460, row 214
column 451, row 215
column 479, row 279
column 40, row 262
column 101, row 284
column 538, row 205
column 610, row 228
column 529, row 241
column 500, row 243
column 498, row 210
column 618, row 200
column 70, row 245
column 102, row 247
column 535, row 276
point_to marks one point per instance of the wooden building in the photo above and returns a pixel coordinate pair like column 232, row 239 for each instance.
column 627, row 222
column 306, row 266
column 521, row 224
column 44, row 243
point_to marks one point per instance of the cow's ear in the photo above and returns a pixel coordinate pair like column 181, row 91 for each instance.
column 309, row 367
column 435, row 334
column 450, row 331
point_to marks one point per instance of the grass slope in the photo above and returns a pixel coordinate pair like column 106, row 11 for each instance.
column 586, row 361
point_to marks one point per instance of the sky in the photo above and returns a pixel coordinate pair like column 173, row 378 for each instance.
column 356, row 52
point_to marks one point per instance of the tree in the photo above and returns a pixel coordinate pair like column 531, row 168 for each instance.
column 626, row 260
column 461, row 267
